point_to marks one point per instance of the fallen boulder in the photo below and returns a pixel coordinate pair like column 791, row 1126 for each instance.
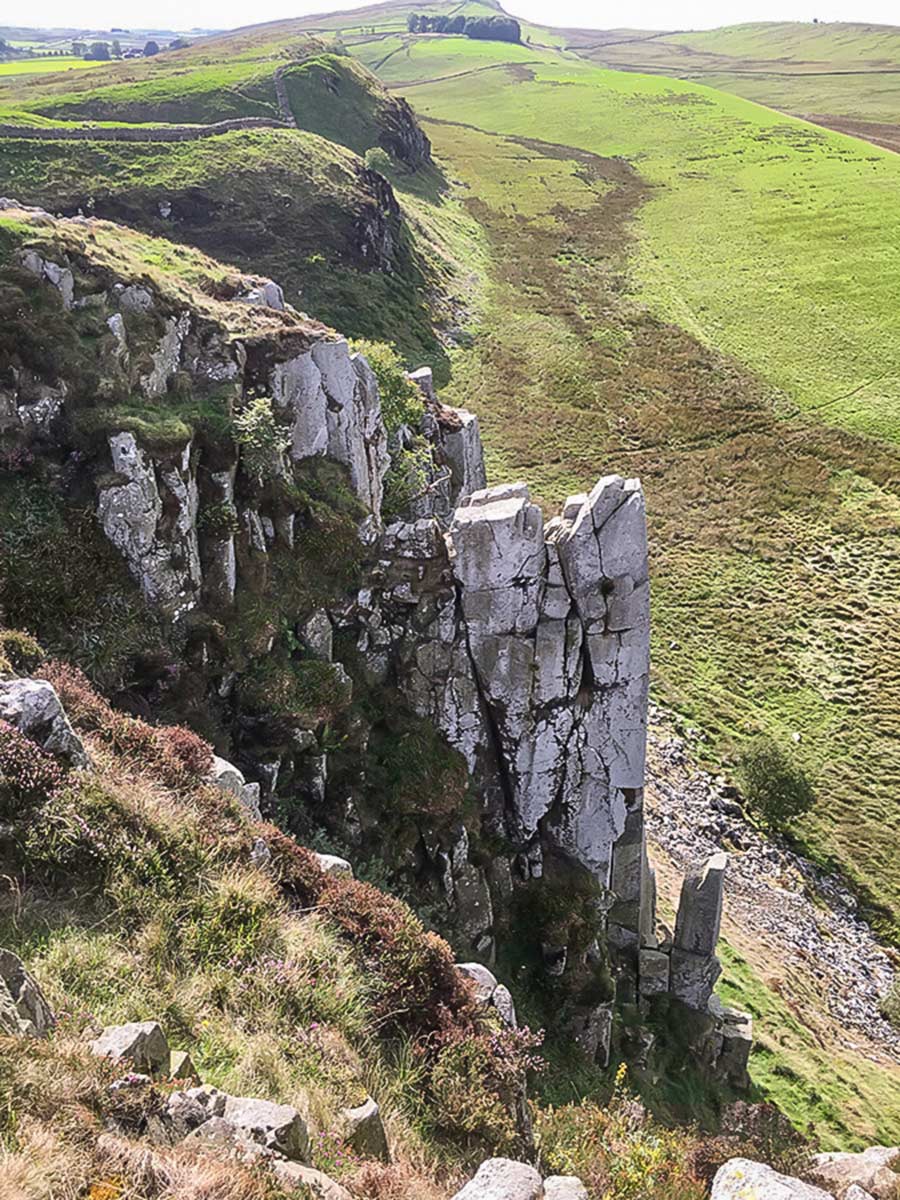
column 743, row 1179
column 295, row 1175
column 331, row 864
column 33, row 707
column 564, row 1187
column 141, row 1043
column 503, row 1179
column 876, row 1171
column 362, row 1128
column 24, row 1010
column 276, row 1127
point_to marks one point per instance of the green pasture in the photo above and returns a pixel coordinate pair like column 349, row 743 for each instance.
column 41, row 66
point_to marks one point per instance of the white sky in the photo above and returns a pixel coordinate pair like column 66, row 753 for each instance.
column 638, row 14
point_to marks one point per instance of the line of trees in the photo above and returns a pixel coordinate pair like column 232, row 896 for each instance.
column 104, row 51
column 494, row 28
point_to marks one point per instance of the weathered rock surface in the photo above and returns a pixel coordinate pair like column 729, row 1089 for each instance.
column 33, row 707
column 876, row 1171
column 23, row 1007
column 227, row 778
column 743, row 1179
column 141, row 1043
column 564, row 1187
column 296, row 1175
column 695, row 967
column 274, row 1127
column 503, row 1179
column 331, row 864
column 362, row 1129
column 151, row 519
column 489, row 992
column 331, row 398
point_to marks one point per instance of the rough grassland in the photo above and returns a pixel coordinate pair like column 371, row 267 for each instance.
column 833, row 68
column 769, row 239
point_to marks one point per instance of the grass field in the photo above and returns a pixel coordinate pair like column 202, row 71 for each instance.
column 40, row 66
column 842, row 69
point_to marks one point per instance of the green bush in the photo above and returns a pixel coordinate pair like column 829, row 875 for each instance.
column 20, row 650
column 890, row 1005
column 305, row 692
column 379, row 160
column 406, row 478
column 401, row 400
column 775, row 786
column 261, row 438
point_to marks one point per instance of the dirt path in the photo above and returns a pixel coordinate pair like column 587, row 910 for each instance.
column 876, row 132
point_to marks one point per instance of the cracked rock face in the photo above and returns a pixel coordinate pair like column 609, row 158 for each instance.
column 331, row 397
column 535, row 664
column 151, row 518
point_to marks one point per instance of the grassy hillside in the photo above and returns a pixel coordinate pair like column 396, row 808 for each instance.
column 302, row 208
column 770, row 471
column 40, row 66
column 281, row 202
column 834, row 68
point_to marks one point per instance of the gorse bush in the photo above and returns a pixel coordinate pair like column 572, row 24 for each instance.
column 401, row 400
column 20, row 650
column 775, row 786
column 261, row 439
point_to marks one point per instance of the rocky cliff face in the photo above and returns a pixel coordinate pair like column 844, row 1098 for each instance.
column 524, row 643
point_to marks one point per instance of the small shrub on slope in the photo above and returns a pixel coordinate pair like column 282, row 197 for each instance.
column 379, row 160
column 28, row 776
column 401, row 400
column 477, row 1083
column 261, row 439
column 20, row 650
column 890, row 1005
column 617, row 1151
column 177, row 754
column 776, row 787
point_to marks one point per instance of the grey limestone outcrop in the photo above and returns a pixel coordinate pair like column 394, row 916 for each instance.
column 503, row 1179
column 24, row 1010
column 743, row 1179
column 33, row 707
column 141, row 1043
column 875, row 1171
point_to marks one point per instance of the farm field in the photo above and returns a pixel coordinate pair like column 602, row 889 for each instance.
column 843, row 70
column 684, row 319
column 41, row 66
